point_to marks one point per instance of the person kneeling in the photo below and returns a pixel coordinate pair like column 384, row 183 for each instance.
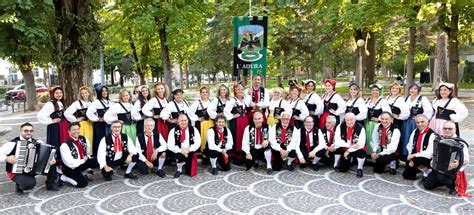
column 350, row 142
column 281, row 136
column 151, row 147
column 255, row 143
column 385, row 137
column 116, row 149
column 184, row 140
column 219, row 141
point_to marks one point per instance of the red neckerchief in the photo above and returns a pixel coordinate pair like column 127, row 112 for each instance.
column 183, row 135
column 349, row 133
column 420, row 137
column 149, row 147
column 384, row 134
column 79, row 147
column 258, row 135
column 331, row 135
column 221, row 135
column 283, row 134
column 308, row 143
column 256, row 93
column 117, row 143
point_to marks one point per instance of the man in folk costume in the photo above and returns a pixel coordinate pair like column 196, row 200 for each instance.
column 385, row 140
column 308, row 140
column 259, row 100
column 116, row 149
column 350, row 142
column 256, row 144
column 420, row 148
column 151, row 147
column 76, row 158
column 281, row 135
column 219, row 141
column 184, row 140
column 328, row 149
column 25, row 181
column 437, row 179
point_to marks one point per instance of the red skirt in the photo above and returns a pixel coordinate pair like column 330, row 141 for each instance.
column 162, row 128
column 238, row 127
column 322, row 119
column 63, row 132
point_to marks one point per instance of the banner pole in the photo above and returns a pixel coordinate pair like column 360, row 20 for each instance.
column 250, row 7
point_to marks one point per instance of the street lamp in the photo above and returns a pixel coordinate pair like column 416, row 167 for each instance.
column 360, row 44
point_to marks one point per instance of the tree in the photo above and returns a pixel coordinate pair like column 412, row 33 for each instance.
column 76, row 42
column 25, row 37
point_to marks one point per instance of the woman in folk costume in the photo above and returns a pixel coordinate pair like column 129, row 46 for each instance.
column 176, row 107
column 376, row 104
column 299, row 109
column 122, row 111
column 333, row 103
column 277, row 106
column 96, row 112
column 447, row 107
column 155, row 105
column 204, row 122
column 235, row 112
column 137, row 113
column 52, row 114
column 417, row 104
column 77, row 112
column 397, row 105
column 312, row 100
column 217, row 105
column 355, row 104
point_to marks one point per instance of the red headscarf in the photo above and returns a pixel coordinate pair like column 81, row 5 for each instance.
column 332, row 82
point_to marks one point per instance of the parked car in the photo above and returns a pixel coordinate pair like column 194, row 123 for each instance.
column 18, row 92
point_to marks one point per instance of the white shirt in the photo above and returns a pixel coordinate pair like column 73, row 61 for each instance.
column 298, row 104
column 162, row 148
column 212, row 108
column 70, row 161
column 276, row 103
column 313, row 98
column 261, row 103
column 45, row 112
column 399, row 102
column 296, row 140
column 94, row 106
column 210, row 137
column 382, row 104
column 391, row 147
column 197, row 106
column 176, row 149
column 428, row 152
column 339, row 142
column 153, row 103
column 341, row 104
column 274, row 142
column 234, row 102
column 246, row 139
column 7, row 148
column 424, row 103
column 136, row 111
column 115, row 109
column 102, row 151
column 69, row 113
column 171, row 108
column 360, row 104
column 455, row 105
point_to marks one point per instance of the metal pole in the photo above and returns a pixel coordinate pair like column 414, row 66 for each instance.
column 250, row 7
column 102, row 73
column 360, row 69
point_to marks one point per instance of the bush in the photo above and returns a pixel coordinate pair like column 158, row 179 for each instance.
column 4, row 89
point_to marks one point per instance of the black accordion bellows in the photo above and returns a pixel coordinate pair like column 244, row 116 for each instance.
column 445, row 151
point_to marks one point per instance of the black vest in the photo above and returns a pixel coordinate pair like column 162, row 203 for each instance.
column 74, row 152
column 355, row 133
column 216, row 137
column 325, row 133
column 425, row 140
column 311, row 107
column 303, row 137
column 372, row 112
column 142, row 140
column 328, row 104
column 417, row 109
column 220, row 106
column 352, row 109
column 177, row 136
column 9, row 166
column 110, row 154
column 253, row 133
column 289, row 135
column 393, row 108
column 157, row 111
column 443, row 113
column 388, row 137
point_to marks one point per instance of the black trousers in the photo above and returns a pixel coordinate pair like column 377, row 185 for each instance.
column 28, row 182
column 383, row 161
column 322, row 154
column 257, row 154
column 410, row 172
column 143, row 168
column 112, row 165
column 277, row 163
column 220, row 159
column 188, row 161
column 436, row 179
column 305, row 152
column 345, row 164
column 76, row 174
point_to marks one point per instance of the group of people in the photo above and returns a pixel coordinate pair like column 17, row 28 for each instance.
column 287, row 129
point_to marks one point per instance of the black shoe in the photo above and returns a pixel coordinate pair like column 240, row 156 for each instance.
column 18, row 190
column 302, row 166
column 359, row 173
column 255, row 165
column 177, row 174
column 108, row 178
column 88, row 179
column 315, row 167
column 60, row 183
column 161, row 173
column 336, row 168
column 130, row 176
column 393, row 171
column 453, row 192
column 269, row 171
column 214, row 171
column 53, row 187
column 291, row 168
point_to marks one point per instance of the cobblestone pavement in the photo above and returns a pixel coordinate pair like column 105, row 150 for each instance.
column 236, row 191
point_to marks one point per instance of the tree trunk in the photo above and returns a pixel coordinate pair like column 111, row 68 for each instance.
column 187, row 75
column 76, row 28
column 411, row 58
column 453, row 50
column 141, row 74
column 26, row 68
column 165, row 53
column 112, row 79
column 440, row 61
column 370, row 59
column 181, row 76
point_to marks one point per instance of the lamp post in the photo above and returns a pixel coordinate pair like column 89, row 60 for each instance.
column 360, row 44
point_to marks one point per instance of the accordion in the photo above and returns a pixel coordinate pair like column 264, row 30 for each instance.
column 81, row 113
column 202, row 114
column 125, row 117
column 33, row 158
column 445, row 151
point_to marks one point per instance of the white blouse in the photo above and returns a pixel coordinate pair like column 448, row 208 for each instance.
column 45, row 112
column 69, row 113
column 94, row 106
